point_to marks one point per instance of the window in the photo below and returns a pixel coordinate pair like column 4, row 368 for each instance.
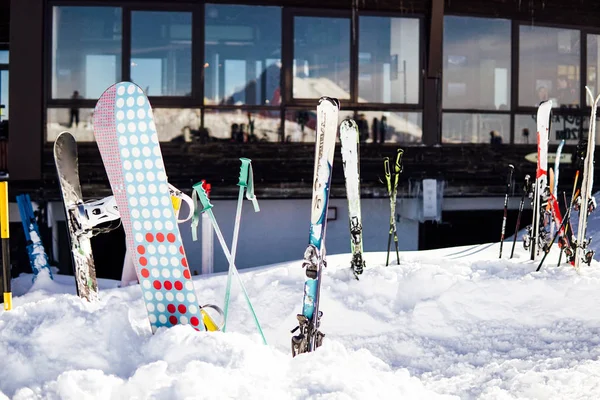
column 86, row 51
column 3, row 94
column 321, row 57
column 177, row 124
column 562, row 127
column 389, row 126
column 243, row 126
column 549, row 60
column 388, row 54
column 300, row 124
column 77, row 121
column 3, row 56
column 161, row 52
column 242, row 55
column 593, row 65
column 477, row 61
column 475, row 128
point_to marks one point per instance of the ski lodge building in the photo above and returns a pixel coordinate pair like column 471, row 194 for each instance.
column 454, row 83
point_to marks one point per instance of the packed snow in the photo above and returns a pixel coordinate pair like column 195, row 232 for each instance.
column 447, row 323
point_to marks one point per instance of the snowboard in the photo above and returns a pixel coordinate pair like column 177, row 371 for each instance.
column 349, row 138
column 67, row 168
column 126, row 136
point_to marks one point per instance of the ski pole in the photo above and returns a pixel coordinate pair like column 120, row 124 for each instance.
column 397, row 171
column 246, row 182
column 388, row 178
column 508, row 184
column 200, row 193
column 525, row 191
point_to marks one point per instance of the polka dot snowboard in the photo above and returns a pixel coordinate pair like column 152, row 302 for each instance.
column 126, row 136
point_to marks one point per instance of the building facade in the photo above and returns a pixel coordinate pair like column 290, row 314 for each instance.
column 454, row 83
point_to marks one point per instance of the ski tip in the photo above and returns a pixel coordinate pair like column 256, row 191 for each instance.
column 332, row 100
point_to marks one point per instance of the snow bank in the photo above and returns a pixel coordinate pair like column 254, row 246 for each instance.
column 449, row 323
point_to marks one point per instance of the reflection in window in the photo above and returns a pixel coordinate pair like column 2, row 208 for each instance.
column 389, row 127
column 593, row 65
column 161, row 52
column 475, row 128
column 242, row 55
column 177, row 124
column 4, row 94
column 86, row 51
column 476, row 63
column 4, row 56
column 321, row 57
column 241, row 126
column 77, row 121
column 562, row 127
column 388, row 60
column 300, row 124
column 548, row 66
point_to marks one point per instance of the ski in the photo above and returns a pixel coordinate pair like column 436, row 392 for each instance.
column 556, row 174
column 587, row 203
column 535, row 236
column 309, row 337
column 511, row 170
column 392, row 187
column 67, row 167
column 126, row 136
column 349, row 138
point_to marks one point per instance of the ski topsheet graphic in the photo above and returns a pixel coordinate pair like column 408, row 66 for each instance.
column 67, row 167
column 349, row 137
column 128, row 143
column 309, row 337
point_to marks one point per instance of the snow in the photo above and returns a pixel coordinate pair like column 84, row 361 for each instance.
column 447, row 323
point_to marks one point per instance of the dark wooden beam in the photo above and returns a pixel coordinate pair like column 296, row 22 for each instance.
column 26, row 90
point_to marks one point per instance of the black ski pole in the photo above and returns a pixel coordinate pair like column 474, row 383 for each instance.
column 525, row 191
column 508, row 185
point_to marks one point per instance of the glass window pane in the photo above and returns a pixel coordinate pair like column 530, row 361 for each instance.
column 86, row 51
column 321, row 57
column 475, row 128
column 242, row 55
column 3, row 56
column 78, row 121
column 593, row 65
column 563, row 127
column 300, row 124
column 4, row 94
column 548, row 66
column 476, row 63
column 389, row 127
column 243, row 126
column 177, row 124
column 161, row 52
column 388, row 57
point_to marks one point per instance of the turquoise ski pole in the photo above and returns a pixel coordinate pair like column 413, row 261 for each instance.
column 246, row 183
column 200, row 194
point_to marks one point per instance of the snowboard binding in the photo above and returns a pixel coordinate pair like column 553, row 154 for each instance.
column 309, row 337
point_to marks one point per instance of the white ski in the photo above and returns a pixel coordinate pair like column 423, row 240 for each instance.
column 349, row 137
column 587, row 204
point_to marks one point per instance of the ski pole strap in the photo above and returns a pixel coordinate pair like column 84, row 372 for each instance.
column 247, row 180
column 398, row 167
column 388, row 174
column 198, row 193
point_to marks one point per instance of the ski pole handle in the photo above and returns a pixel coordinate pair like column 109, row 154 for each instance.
column 202, row 196
column 398, row 167
column 244, row 169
